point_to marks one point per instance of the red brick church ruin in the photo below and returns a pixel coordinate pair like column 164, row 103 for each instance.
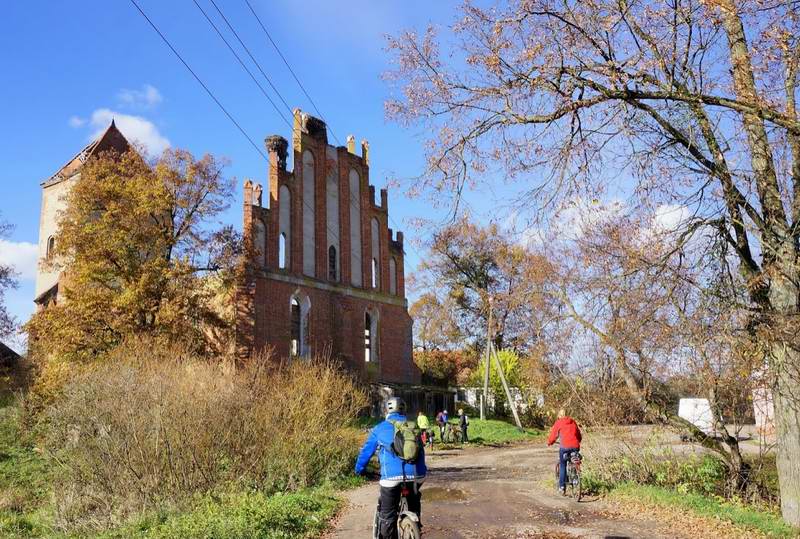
column 325, row 272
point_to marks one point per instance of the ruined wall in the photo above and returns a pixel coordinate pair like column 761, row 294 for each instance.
column 333, row 230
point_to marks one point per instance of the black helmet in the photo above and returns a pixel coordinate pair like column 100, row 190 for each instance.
column 395, row 404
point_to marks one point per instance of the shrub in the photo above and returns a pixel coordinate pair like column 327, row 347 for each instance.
column 702, row 475
column 249, row 515
column 153, row 426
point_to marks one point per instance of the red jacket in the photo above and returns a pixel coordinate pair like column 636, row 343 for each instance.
column 569, row 432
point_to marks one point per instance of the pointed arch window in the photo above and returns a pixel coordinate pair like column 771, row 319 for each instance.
column 282, row 251
column 51, row 245
column 299, row 315
column 294, row 344
column 370, row 336
column 367, row 337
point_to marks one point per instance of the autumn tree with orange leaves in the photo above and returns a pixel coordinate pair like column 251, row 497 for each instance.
column 691, row 102
column 140, row 255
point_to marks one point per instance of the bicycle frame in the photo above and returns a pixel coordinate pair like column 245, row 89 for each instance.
column 404, row 510
column 403, row 514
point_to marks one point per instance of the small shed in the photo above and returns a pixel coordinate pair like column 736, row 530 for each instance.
column 8, row 357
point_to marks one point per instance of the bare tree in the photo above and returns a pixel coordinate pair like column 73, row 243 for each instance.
column 691, row 102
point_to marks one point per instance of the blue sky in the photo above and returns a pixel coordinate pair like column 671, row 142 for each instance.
column 69, row 68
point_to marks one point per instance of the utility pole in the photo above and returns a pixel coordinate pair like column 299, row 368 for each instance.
column 485, row 400
column 511, row 402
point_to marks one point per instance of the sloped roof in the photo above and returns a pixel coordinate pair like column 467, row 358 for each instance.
column 110, row 139
column 8, row 357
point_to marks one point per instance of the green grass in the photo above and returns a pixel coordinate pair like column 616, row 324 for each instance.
column 24, row 480
column 241, row 516
column 26, row 504
column 742, row 516
column 497, row 432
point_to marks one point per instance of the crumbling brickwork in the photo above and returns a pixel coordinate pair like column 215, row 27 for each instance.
column 325, row 273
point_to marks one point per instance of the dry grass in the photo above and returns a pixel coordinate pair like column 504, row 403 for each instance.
column 153, row 427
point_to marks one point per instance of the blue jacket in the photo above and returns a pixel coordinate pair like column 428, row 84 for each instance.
column 380, row 439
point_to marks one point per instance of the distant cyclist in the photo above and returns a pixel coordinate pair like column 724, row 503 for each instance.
column 463, row 423
column 441, row 420
column 569, row 435
column 425, row 427
column 393, row 469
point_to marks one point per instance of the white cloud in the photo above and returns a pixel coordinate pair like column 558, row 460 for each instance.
column 146, row 98
column 670, row 217
column 22, row 256
column 580, row 216
column 77, row 121
column 135, row 128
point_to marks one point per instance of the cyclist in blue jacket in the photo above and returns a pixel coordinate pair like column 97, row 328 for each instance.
column 393, row 470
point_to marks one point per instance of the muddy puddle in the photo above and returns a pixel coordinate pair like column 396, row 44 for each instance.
column 559, row 517
column 441, row 494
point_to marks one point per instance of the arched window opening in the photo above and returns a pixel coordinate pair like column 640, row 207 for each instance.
column 332, row 265
column 294, row 345
column 367, row 337
column 376, row 253
column 370, row 336
column 51, row 245
column 299, row 314
column 282, row 251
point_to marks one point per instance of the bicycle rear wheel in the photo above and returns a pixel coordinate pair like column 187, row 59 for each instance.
column 558, row 474
column 376, row 532
column 408, row 529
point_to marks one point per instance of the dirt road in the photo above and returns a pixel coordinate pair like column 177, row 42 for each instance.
column 497, row 493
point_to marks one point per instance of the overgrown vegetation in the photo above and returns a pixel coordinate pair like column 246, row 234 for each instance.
column 649, row 471
column 704, row 474
column 155, row 442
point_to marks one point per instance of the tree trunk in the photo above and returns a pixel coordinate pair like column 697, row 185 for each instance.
column 738, row 475
column 786, row 395
column 787, row 427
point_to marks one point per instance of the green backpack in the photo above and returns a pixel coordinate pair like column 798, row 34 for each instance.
column 407, row 442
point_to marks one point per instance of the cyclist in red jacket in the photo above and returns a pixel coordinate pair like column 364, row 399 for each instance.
column 569, row 433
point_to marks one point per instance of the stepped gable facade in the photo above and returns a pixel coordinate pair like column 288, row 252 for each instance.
column 324, row 273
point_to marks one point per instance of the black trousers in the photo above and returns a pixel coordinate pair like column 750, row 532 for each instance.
column 389, row 507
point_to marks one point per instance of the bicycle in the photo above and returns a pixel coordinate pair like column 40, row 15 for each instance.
column 574, row 460
column 453, row 434
column 408, row 526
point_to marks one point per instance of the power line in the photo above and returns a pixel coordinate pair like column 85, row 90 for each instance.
column 222, row 37
column 175, row 52
column 242, row 64
column 300, row 84
column 224, row 110
column 224, row 18
column 275, row 45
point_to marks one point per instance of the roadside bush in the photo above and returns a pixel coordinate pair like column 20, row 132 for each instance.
column 701, row 475
column 151, row 426
column 651, row 462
